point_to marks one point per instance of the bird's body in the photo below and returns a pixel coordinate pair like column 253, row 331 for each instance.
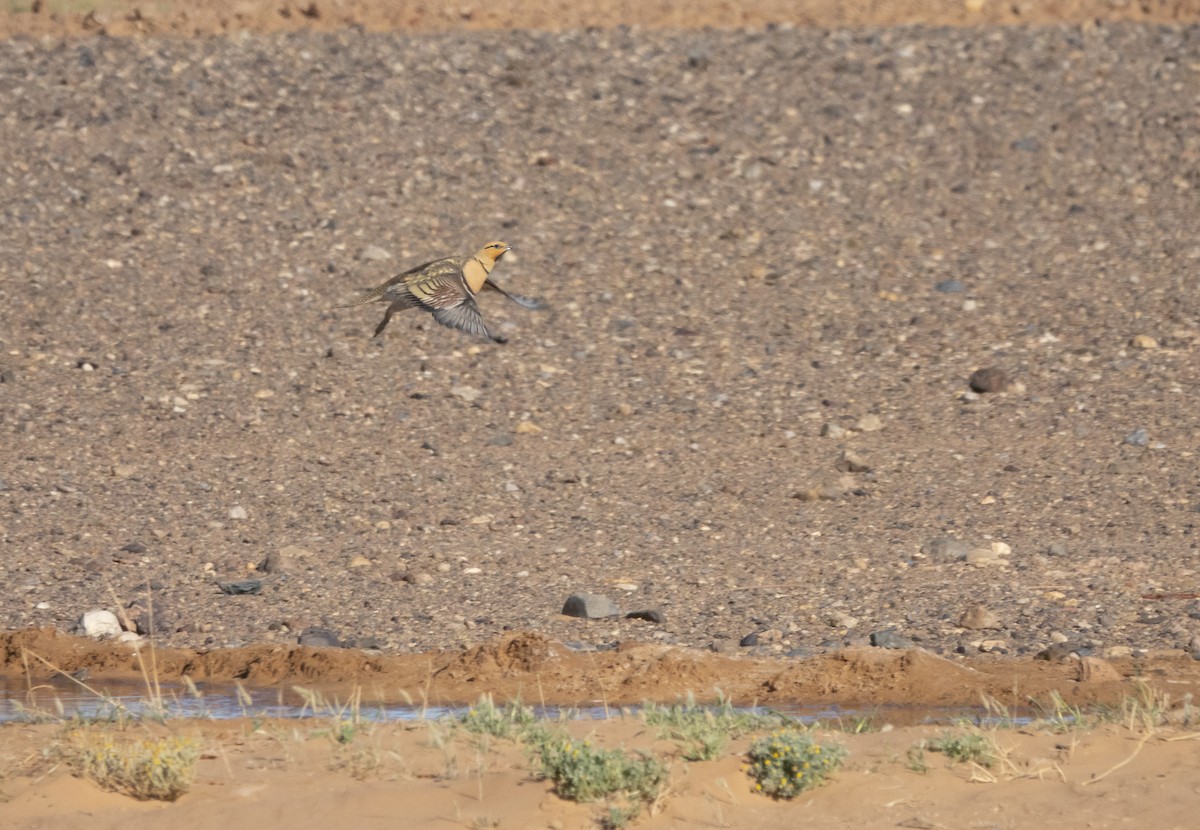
column 446, row 288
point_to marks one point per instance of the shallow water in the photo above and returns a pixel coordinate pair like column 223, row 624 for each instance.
column 62, row 698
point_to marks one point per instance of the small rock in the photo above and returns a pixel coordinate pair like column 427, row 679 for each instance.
column 1143, row 341
column 278, row 561
column 373, row 253
column 467, row 393
column 946, row 548
column 869, row 423
column 950, row 287
column 527, row 428
column 1029, row 144
column 1118, row 652
column 360, row 561
column 238, row 512
column 242, row 586
column 124, row 471
column 1095, row 670
column 888, row 638
column 502, row 439
column 983, row 557
column 319, row 638
column 749, row 640
column 840, row 619
column 129, row 637
column 420, row 578
column 133, row 547
column 1056, row 549
column 1140, row 437
column 99, row 623
column 832, row 430
column 650, row 615
column 852, row 463
column 978, row 618
column 590, row 607
column 988, row 379
column 1057, row 652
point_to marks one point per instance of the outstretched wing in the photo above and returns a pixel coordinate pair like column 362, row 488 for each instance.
column 465, row 316
column 524, row 302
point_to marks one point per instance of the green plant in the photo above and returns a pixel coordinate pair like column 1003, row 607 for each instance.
column 583, row 772
column 788, row 762
column 970, row 748
column 703, row 731
column 151, row 768
column 485, row 718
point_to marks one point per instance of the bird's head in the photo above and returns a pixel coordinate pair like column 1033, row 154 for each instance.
column 494, row 250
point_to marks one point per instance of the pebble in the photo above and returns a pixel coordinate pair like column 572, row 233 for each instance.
column 978, row 618
column 840, row 619
column 99, row 623
column 502, row 439
column 242, row 586
column 420, row 578
column 1143, row 341
column 590, row 607
column 374, row 253
column 869, row 423
column 983, row 557
column 124, row 471
column 950, row 287
column 280, row 561
column 1140, row 437
column 238, row 512
column 852, row 463
column 360, row 561
column 1095, row 670
column 319, row 638
column 649, row 615
column 467, row 393
column 1056, row 549
column 988, row 379
column 946, row 548
column 832, row 430
column 889, row 638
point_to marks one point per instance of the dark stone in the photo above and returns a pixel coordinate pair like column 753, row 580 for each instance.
column 950, row 287
column 242, row 586
column 650, row 615
column 590, row 607
column 888, row 638
column 989, row 379
column 501, row 440
column 750, row 639
column 134, row 547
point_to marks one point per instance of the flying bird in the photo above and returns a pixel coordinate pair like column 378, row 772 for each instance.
column 446, row 288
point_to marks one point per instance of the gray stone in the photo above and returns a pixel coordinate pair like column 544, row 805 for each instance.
column 99, row 623
column 242, row 586
column 888, row 638
column 1138, row 438
column 946, row 548
column 950, row 287
column 373, row 253
column 319, row 638
column 590, row 607
column 238, row 512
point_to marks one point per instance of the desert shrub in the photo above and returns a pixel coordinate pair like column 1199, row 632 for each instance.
column 583, row 772
column 788, row 762
column 151, row 768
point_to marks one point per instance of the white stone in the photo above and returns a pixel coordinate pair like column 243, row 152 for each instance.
column 100, row 623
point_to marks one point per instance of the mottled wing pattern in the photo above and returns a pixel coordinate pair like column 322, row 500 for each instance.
column 439, row 286
column 464, row 316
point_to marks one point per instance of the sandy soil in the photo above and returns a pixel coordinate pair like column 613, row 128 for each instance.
column 747, row 410
column 295, row 775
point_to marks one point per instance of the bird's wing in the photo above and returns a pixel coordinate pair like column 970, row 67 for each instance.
column 524, row 302
column 464, row 316
column 420, row 274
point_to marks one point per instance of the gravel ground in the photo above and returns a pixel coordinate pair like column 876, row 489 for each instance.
column 774, row 259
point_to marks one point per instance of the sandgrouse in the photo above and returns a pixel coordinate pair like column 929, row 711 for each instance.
column 446, row 288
